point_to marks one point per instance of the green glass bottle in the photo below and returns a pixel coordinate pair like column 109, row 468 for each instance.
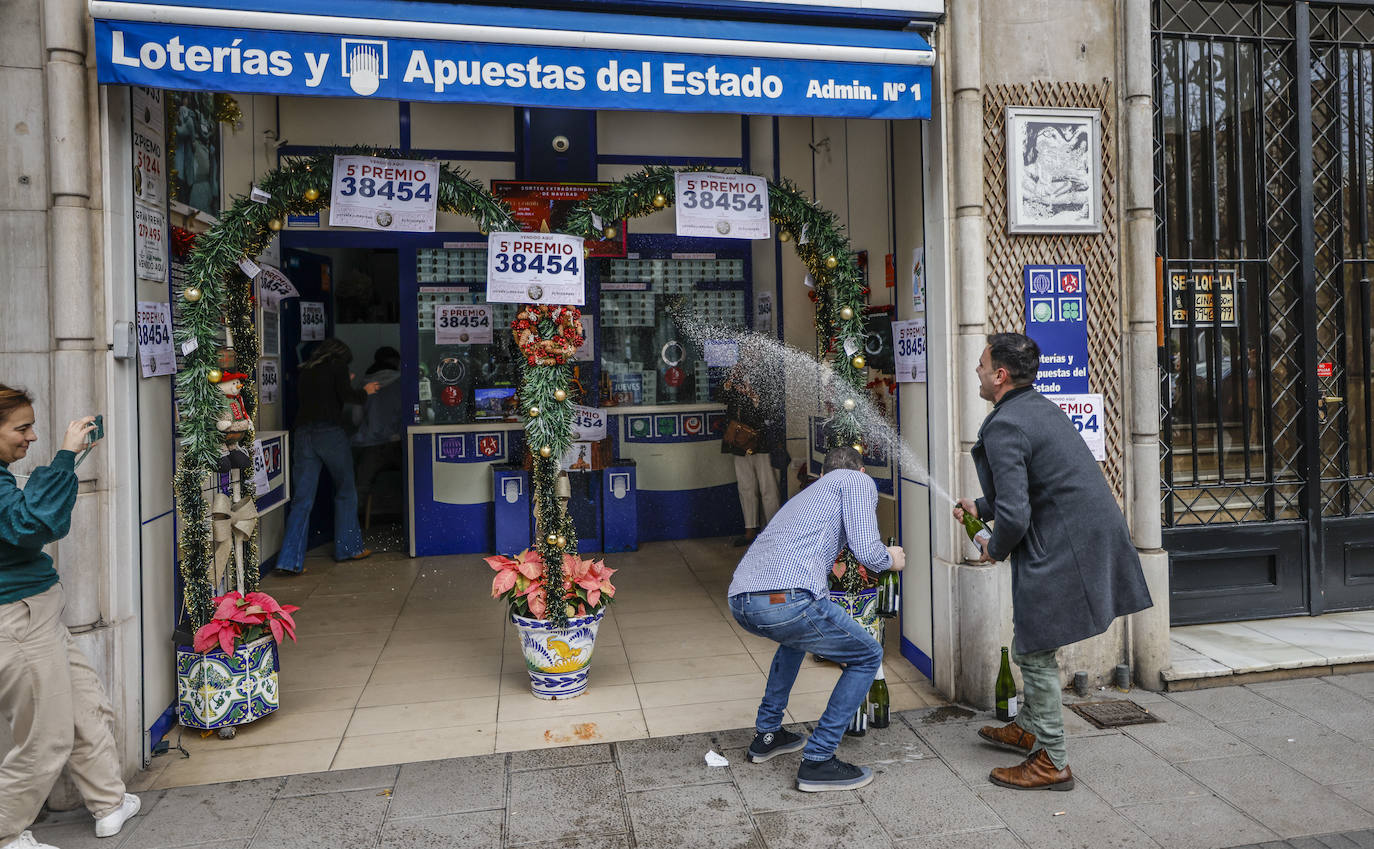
column 976, row 529
column 890, row 590
column 879, row 702
column 1005, row 690
column 858, row 723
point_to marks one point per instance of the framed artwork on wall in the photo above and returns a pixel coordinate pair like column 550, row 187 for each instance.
column 1054, row 170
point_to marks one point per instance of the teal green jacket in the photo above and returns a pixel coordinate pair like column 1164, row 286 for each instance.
column 30, row 518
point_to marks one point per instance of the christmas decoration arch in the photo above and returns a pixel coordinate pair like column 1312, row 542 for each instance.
column 219, row 296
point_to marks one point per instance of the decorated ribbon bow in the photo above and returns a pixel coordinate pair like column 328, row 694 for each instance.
column 231, row 522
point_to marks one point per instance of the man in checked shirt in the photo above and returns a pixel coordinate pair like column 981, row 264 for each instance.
column 781, row 591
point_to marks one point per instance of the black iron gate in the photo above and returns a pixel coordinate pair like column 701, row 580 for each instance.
column 1264, row 166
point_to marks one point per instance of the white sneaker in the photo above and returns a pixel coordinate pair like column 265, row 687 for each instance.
column 27, row 841
column 110, row 824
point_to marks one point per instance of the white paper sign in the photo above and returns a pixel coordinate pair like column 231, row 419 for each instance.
column 150, row 176
column 269, row 381
column 721, row 353
column 763, row 311
column 312, row 321
column 274, row 286
column 918, row 279
column 462, row 324
column 147, row 110
column 384, row 194
column 586, row 352
column 1085, row 411
column 249, row 268
column 270, row 332
column 588, row 424
column 909, row 350
column 259, row 468
column 156, row 355
column 577, row 459
column 535, row 268
column 150, row 243
column 729, row 206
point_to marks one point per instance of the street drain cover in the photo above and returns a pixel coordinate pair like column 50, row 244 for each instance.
column 1114, row 713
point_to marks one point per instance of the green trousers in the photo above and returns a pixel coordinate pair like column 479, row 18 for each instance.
column 1042, row 712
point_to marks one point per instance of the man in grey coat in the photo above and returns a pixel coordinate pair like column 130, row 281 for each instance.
column 1073, row 567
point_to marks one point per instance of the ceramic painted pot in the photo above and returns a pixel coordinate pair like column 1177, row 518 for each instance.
column 864, row 609
column 558, row 658
column 218, row 690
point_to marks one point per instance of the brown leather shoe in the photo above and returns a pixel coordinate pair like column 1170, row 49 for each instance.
column 1010, row 736
column 1036, row 772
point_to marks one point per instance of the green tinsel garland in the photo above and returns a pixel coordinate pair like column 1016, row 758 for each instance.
column 227, row 299
column 796, row 215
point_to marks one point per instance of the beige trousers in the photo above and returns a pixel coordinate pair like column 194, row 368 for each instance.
column 58, row 713
column 756, row 477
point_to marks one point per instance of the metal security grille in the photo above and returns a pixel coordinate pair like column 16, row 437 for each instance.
column 1264, row 159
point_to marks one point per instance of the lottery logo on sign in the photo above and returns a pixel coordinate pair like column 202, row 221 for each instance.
column 1041, row 282
column 734, row 206
column 488, row 445
column 541, row 268
column 691, row 425
column 1069, row 282
column 384, row 194
column 1042, row 310
column 1071, row 309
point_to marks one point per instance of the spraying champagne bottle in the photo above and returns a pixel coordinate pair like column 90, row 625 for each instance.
column 1006, row 690
column 879, row 702
column 890, row 590
column 976, row 529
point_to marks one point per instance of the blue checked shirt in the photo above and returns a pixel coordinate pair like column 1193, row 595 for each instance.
column 800, row 544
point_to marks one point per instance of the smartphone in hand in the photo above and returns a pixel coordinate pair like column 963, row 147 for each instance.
column 98, row 432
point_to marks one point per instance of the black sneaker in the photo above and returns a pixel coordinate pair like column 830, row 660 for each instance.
column 834, row 774
column 768, row 745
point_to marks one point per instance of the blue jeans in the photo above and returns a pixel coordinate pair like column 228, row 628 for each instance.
column 312, row 446
column 801, row 624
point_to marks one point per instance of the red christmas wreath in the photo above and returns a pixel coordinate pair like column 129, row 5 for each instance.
column 534, row 320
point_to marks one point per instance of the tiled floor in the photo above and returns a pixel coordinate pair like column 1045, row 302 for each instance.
column 404, row 660
column 1264, row 645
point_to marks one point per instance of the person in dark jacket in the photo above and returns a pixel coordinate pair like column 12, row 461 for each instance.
column 760, row 409
column 377, row 443
column 1073, row 567
column 49, row 694
column 319, row 440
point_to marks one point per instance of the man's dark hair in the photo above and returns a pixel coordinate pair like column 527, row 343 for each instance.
column 1016, row 353
column 843, row 457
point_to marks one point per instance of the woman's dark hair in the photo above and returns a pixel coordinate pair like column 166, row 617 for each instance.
column 1016, row 353
column 328, row 351
column 843, row 457
column 12, row 399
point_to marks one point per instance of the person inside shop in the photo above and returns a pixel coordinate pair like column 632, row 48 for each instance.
column 377, row 442
column 754, row 434
column 1073, row 567
column 49, row 693
column 781, row 590
column 319, row 440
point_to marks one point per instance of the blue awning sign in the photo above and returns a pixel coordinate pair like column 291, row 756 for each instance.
column 893, row 82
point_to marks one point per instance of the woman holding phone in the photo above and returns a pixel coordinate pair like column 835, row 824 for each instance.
column 56, row 708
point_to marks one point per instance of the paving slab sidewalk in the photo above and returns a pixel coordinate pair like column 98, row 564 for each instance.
column 1270, row 766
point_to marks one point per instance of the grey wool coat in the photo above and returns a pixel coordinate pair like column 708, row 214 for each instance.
column 1073, row 567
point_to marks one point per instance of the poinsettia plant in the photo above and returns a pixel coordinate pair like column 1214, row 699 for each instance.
column 241, row 618
column 520, row 581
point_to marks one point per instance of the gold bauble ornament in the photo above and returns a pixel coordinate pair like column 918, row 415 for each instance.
column 191, row 294
column 560, row 395
column 846, row 313
column 849, row 403
column 214, row 375
column 586, row 250
column 660, row 200
column 274, row 224
column 534, row 412
column 858, row 446
column 561, row 542
column 570, row 610
column 312, row 194
column 551, row 539
column 610, row 232
column 784, row 236
column 831, row 262
column 546, row 451
column 858, row 361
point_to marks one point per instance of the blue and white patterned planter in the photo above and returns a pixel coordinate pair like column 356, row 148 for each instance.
column 558, row 658
column 218, row 690
column 864, row 609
